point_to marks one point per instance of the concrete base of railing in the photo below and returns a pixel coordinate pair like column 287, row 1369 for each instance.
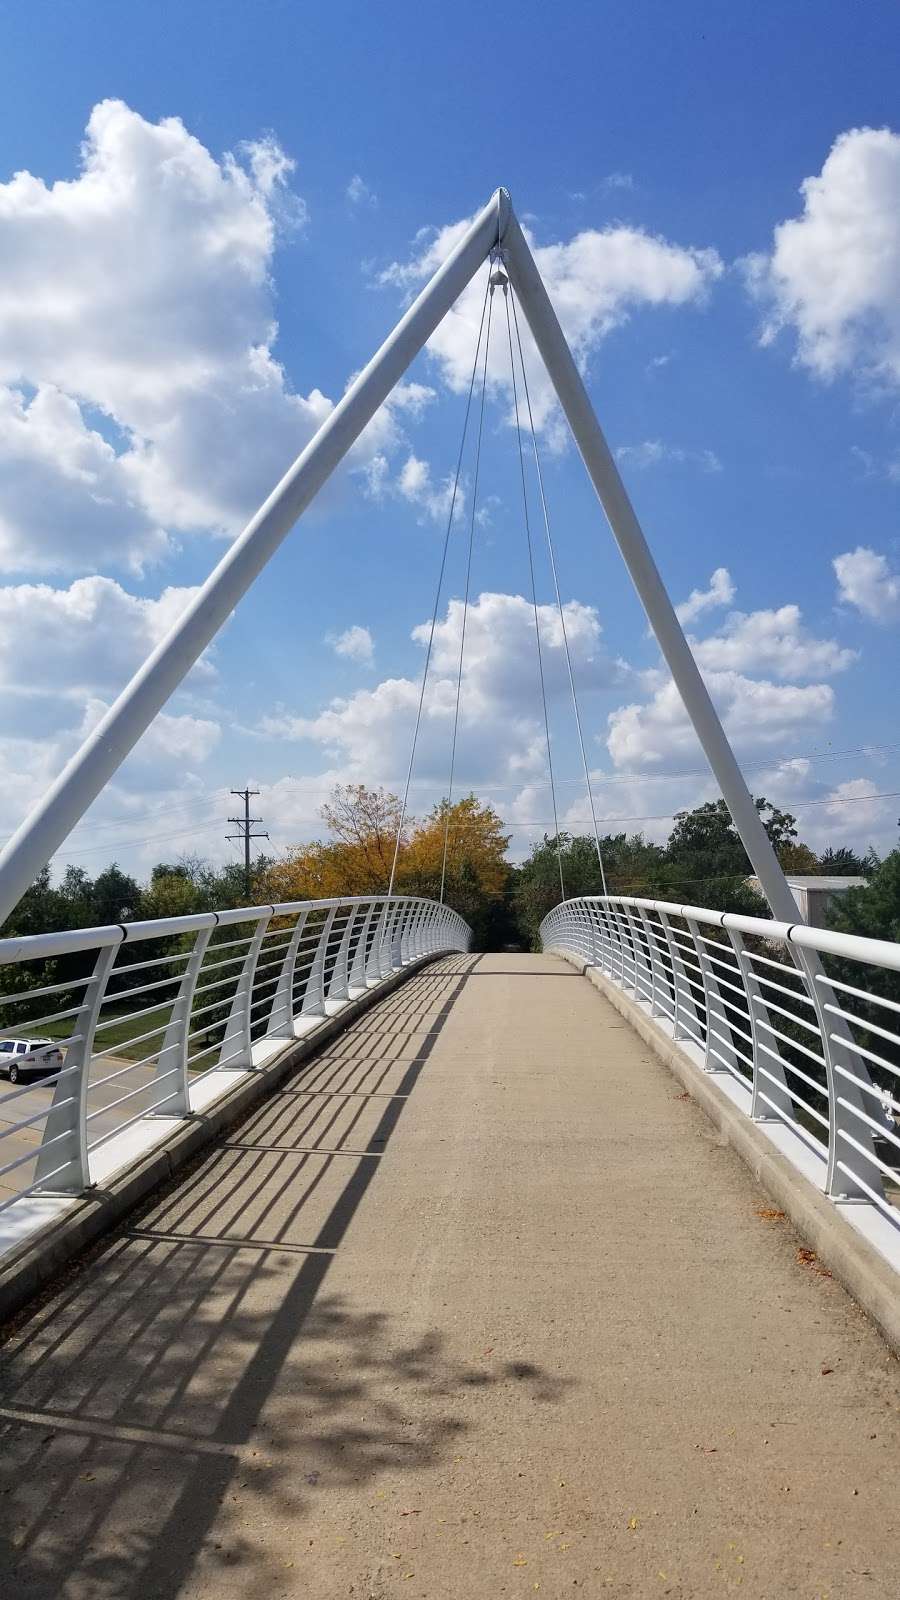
column 49, row 1249
column 828, row 1228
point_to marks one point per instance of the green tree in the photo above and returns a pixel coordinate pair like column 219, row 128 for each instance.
column 845, row 863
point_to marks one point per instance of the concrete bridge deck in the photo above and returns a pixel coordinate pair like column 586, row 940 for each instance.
column 477, row 1305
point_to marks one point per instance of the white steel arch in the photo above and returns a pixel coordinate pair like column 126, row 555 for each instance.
column 496, row 226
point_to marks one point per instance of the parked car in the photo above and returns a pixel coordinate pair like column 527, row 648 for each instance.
column 29, row 1058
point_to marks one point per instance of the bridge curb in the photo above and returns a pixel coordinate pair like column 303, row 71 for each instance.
column 45, row 1254
column 863, row 1271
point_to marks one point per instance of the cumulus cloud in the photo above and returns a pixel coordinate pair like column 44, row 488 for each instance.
column 90, row 637
column 500, row 734
column 720, row 593
column 757, row 715
column 771, row 641
column 138, row 388
column 596, row 280
column 654, row 453
column 416, row 485
column 66, row 501
column 833, row 274
column 855, row 805
column 866, row 581
column 355, row 643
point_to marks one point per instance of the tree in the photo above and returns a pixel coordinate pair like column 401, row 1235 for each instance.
column 115, row 897
column 845, row 863
column 536, row 887
column 477, row 875
column 706, row 847
column 365, row 822
column 872, row 913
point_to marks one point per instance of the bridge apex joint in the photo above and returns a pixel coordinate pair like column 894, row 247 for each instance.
column 504, row 213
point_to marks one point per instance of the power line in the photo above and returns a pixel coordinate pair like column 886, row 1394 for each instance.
column 245, row 823
column 212, row 803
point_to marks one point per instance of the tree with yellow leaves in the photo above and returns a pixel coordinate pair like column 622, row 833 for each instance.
column 357, row 859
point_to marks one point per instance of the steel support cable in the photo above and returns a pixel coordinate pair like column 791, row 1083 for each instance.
column 537, row 625
column 559, row 604
column 465, row 614
column 440, row 585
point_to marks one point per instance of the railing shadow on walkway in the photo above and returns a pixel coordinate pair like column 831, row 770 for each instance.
column 135, row 1400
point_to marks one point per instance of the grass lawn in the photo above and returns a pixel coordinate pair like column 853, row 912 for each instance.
column 125, row 1028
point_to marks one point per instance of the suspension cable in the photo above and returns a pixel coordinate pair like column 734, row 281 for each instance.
column 562, row 617
column 462, row 637
column 537, row 626
column 440, row 584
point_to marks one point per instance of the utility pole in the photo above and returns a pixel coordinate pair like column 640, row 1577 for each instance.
column 245, row 824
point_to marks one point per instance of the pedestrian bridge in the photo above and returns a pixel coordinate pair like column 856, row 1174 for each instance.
column 457, row 1290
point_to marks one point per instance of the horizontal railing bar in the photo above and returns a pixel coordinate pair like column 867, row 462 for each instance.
column 129, row 1095
column 861, row 994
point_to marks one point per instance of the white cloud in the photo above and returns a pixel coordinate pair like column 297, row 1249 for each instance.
column 416, row 485
column 66, row 500
column 833, row 275
column 757, row 716
column 655, row 453
column 771, row 641
column 854, row 807
column 866, row 582
column 359, row 193
column 138, row 388
column 500, row 732
column 171, row 746
column 355, row 643
column 618, row 180
column 596, row 280
column 73, row 642
column 721, row 592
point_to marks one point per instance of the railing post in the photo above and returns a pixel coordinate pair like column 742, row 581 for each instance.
column 689, row 1008
column 173, row 1057
column 281, row 1016
column 633, row 941
column 652, row 956
column 339, row 987
column 63, row 1165
column 386, row 948
column 716, row 1015
column 358, row 965
column 620, row 944
column 844, row 1090
column 397, row 928
column 419, row 927
column 603, row 926
column 314, row 996
column 373, row 962
column 235, row 1051
column 778, row 1105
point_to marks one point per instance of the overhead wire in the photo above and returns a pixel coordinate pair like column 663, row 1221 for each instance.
column 440, row 585
column 465, row 612
column 559, row 604
column 534, row 604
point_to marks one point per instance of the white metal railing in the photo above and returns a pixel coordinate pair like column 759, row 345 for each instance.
column 155, row 1020
column 803, row 1024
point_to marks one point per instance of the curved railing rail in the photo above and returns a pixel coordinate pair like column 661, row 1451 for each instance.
column 802, row 1023
column 146, row 1023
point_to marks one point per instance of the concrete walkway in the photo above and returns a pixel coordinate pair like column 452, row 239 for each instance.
column 476, row 1306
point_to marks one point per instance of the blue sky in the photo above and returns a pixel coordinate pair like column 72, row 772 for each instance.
column 260, row 189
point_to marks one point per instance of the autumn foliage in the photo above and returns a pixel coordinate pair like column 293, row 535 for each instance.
column 357, row 858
